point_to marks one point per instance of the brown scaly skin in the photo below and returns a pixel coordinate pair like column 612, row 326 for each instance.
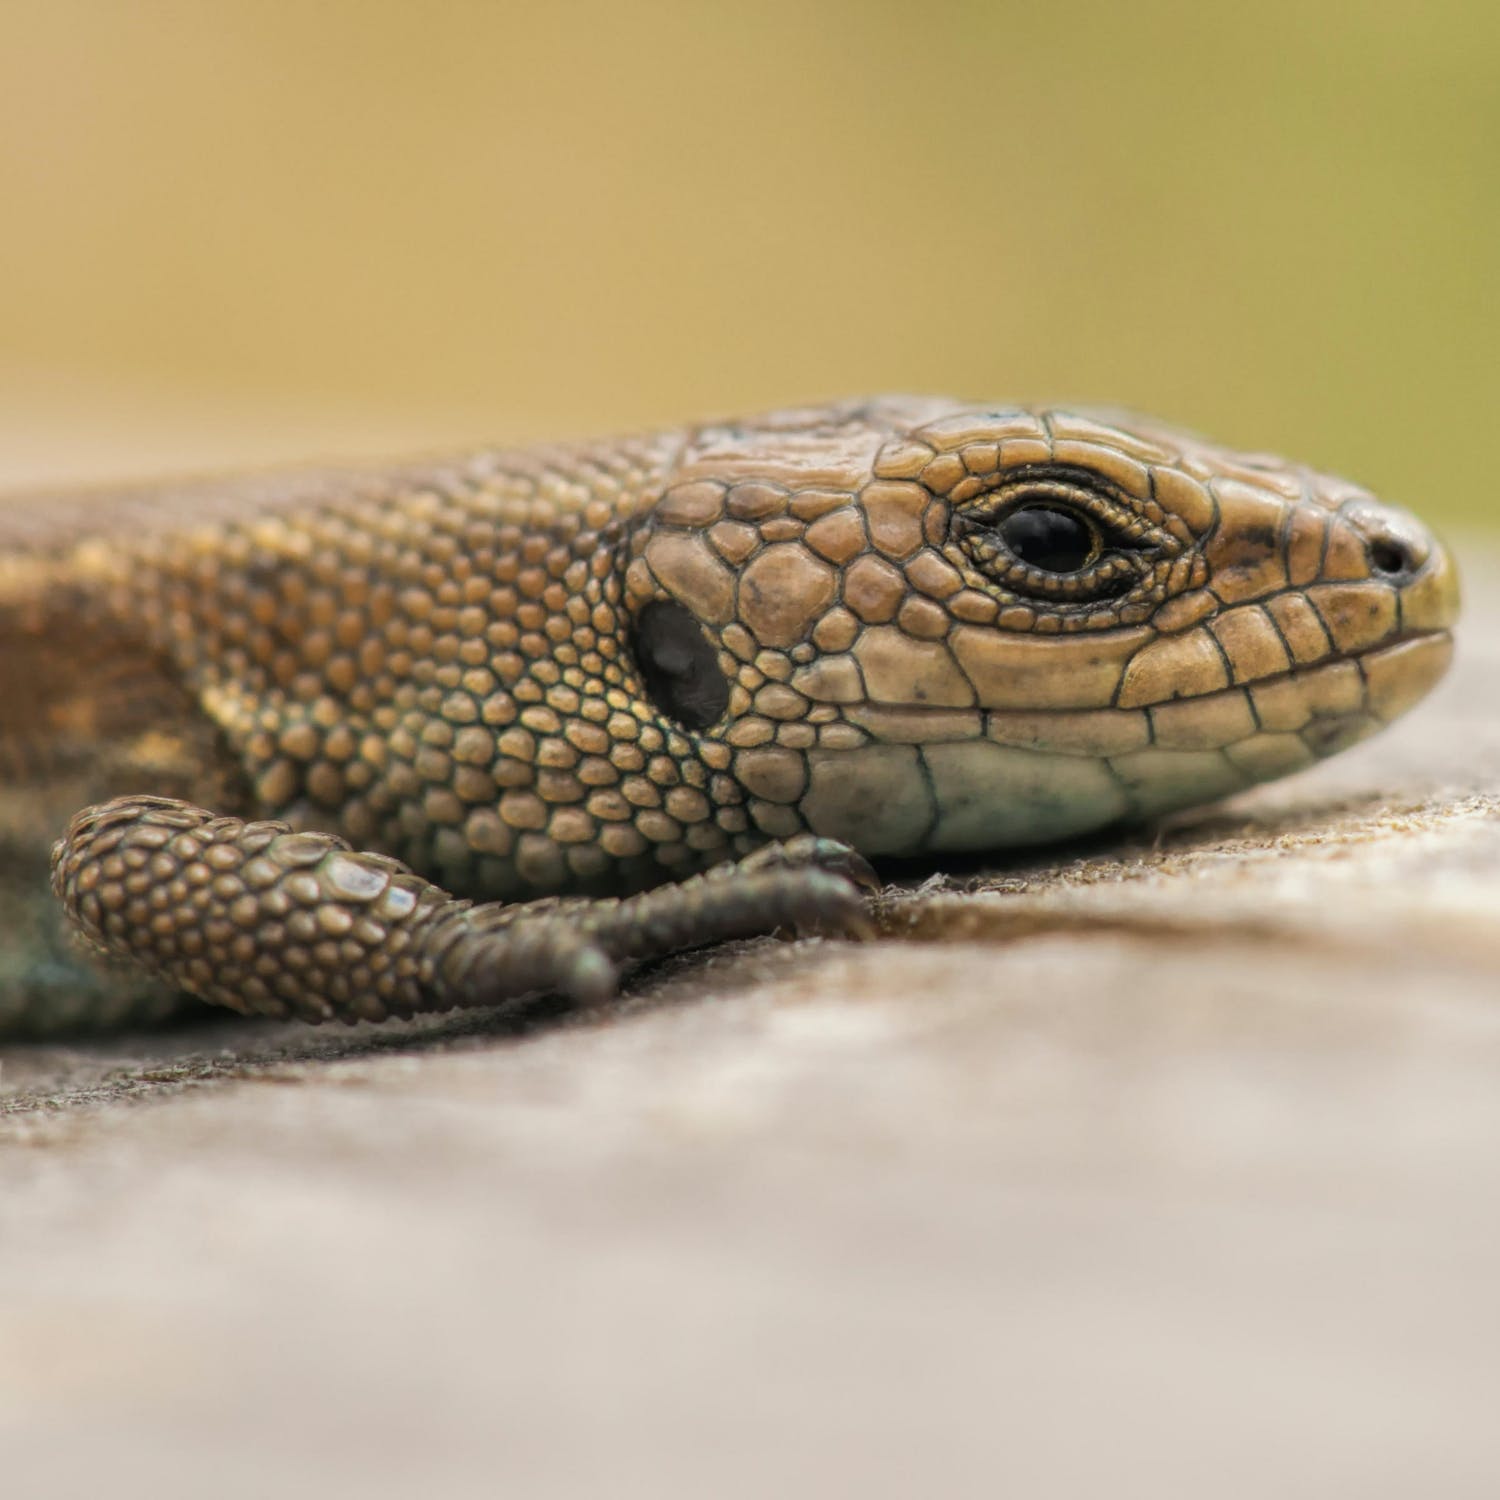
column 556, row 678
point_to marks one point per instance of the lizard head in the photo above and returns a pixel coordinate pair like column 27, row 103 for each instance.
column 922, row 627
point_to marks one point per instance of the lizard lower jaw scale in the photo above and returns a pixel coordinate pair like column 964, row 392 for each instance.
column 1013, row 779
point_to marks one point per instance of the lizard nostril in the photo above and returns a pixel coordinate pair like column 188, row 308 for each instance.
column 1390, row 558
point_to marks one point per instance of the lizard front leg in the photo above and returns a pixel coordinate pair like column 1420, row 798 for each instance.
column 252, row 916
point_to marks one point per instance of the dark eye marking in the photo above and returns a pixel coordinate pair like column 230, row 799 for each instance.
column 1050, row 538
column 678, row 665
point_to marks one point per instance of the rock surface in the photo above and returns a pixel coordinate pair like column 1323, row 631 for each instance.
column 1168, row 1168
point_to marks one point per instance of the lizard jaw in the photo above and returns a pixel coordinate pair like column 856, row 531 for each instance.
column 1036, row 777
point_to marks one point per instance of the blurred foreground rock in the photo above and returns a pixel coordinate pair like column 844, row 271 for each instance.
column 1169, row 1169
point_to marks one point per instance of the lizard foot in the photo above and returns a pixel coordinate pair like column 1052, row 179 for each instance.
column 263, row 920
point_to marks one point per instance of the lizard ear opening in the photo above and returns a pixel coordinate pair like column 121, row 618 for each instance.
column 679, row 665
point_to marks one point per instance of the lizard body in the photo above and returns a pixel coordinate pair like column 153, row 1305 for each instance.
column 547, row 680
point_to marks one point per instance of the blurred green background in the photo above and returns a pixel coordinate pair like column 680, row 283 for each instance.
column 251, row 229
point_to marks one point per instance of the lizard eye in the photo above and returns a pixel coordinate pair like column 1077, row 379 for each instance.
column 679, row 666
column 1058, row 535
column 1050, row 538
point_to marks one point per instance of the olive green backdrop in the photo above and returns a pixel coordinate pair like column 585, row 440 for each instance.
column 239, row 231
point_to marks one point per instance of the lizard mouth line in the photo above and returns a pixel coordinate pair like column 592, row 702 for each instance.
column 1302, row 672
column 1314, row 668
column 985, row 779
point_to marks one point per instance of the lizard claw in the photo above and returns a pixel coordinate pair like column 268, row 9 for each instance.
column 811, row 851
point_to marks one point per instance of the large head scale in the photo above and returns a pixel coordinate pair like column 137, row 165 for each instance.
column 921, row 626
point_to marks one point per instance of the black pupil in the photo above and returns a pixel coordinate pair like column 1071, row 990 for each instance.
column 1041, row 536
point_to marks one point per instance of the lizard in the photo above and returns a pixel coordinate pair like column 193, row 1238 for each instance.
column 358, row 743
